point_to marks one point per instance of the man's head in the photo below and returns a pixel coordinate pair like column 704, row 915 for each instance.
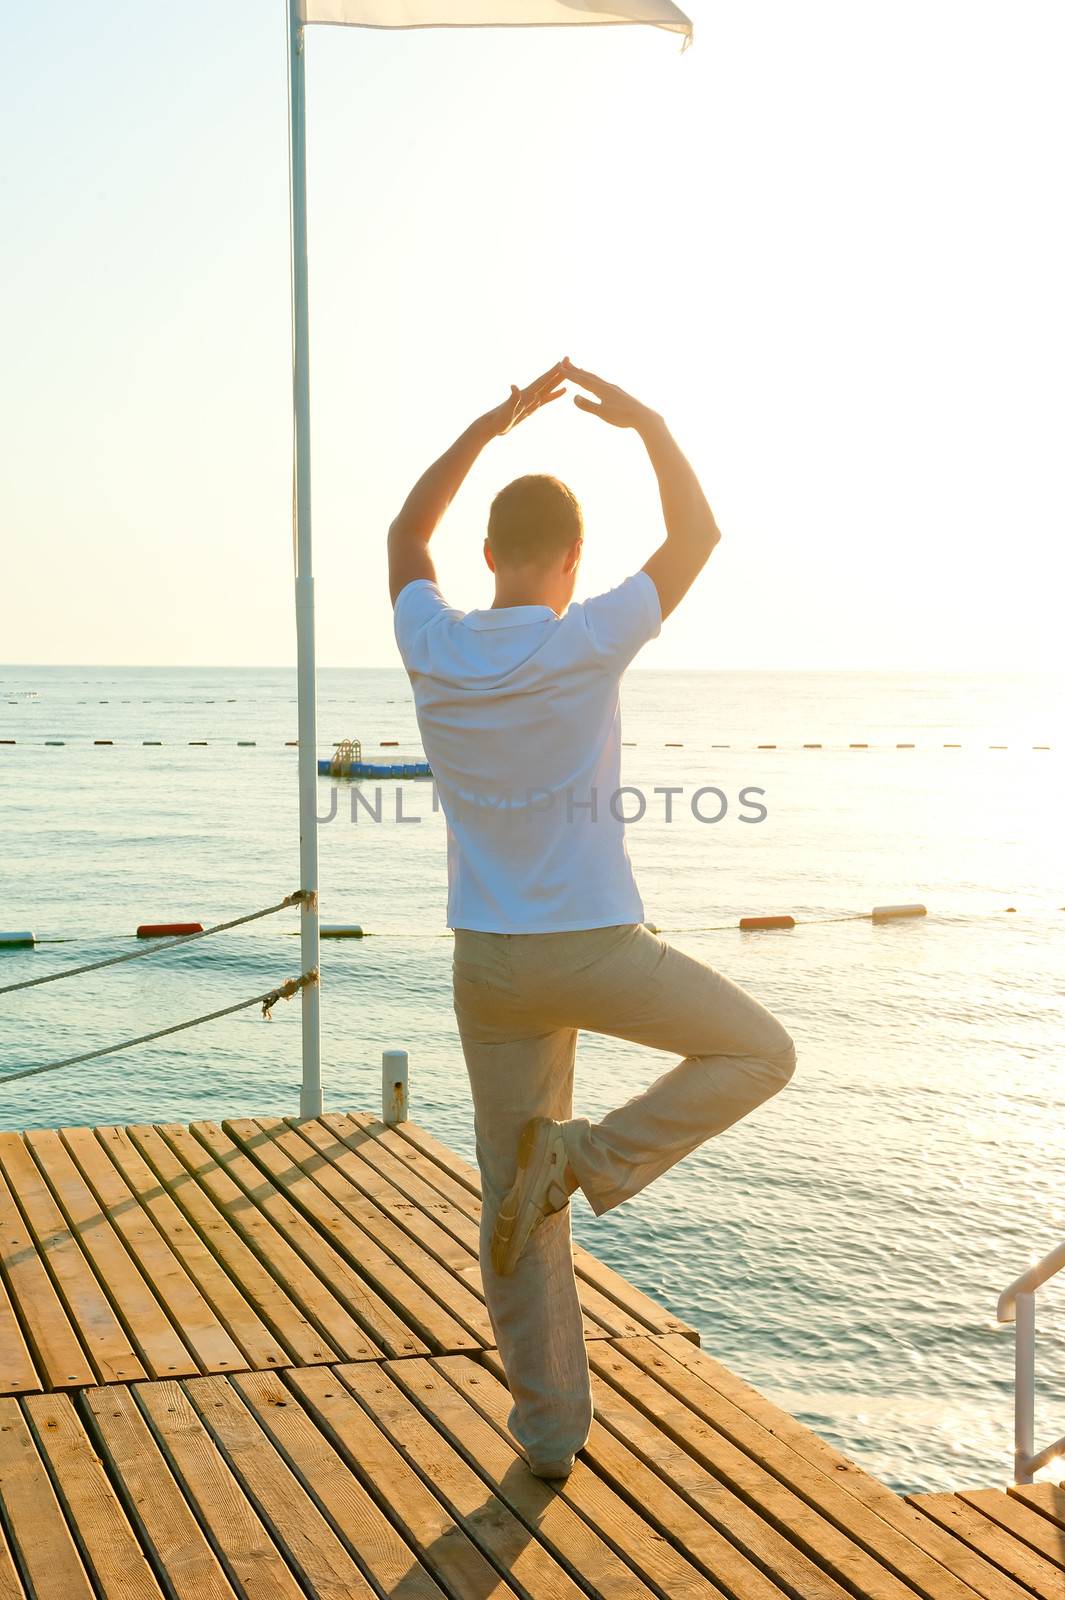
column 535, row 532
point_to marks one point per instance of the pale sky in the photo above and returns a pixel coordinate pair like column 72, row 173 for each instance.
column 826, row 243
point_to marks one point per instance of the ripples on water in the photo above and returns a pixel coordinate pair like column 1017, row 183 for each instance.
column 843, row 1250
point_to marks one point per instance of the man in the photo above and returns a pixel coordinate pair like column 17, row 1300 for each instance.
column 518, row 707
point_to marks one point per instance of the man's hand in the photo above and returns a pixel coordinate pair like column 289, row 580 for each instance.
column 615, row 406
column 521, row 403
column 691, row 532
column 409, row 535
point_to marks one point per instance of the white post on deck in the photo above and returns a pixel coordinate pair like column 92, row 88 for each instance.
column 311, row 1090
column 395, row 1086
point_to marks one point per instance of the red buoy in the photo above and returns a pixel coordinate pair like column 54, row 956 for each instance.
column 767, row 922
column 167, row 930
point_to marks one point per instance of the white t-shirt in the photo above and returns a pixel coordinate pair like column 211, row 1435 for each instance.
column 519, row 712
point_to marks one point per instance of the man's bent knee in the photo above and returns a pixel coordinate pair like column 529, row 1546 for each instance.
column 782, row 1061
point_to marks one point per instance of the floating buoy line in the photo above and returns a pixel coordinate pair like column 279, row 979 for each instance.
column 325, row 764
column 180, row 933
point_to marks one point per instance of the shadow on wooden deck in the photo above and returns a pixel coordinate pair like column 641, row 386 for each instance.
column 253, row 1359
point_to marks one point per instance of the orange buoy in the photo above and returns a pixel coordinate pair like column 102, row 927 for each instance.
column 389, row 744
column 167, row 930
column 767, row 922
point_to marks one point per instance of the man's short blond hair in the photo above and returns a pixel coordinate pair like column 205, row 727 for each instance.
column 533, row 520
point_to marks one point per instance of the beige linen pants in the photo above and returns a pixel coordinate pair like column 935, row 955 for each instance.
column 519, row 1000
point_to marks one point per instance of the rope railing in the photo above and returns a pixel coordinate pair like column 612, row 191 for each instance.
column 155, row 949
column 284, row 991
column 267, row 1000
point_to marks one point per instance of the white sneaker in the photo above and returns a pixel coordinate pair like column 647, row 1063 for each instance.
column 538, row 1190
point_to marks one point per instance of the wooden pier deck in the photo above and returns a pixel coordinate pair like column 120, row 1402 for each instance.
column 253, row 1359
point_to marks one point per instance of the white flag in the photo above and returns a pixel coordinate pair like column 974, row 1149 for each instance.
column 494, row 13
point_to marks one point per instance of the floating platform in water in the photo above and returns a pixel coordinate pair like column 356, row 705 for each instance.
column 373, row 769
column 255, row 1357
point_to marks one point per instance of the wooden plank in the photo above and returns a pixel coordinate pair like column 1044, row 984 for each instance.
column 33, row 1519
column 410, row 1237
column 10, row 1584
column 734, row 1519
column 448, row 1232
column 452, row 1234
column 56, row 1349
column 1021, row 1521
column 295, row 1522
column 89, row 1310
column 415, row 1289
column 93, row 1510
column 248, row 1554
column 627, row 1472
column 152, row 1499
column 326, row 1474
column 784, row 1503
column 665, row 1568
column 312, row 1274
column 1046, row 1498
column 729, row 1397
column 547, row 1514
column 1008, row 1554
column 281, row 1314
column 646, row 1314
column 438, row 1500
column 603, row 1318
column 258, row 1346
column 19, row 1258
column 208, row 1342
column 150, row 1332
column 17, row 1371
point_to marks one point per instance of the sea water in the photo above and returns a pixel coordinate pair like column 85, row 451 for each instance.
column 844, row 1248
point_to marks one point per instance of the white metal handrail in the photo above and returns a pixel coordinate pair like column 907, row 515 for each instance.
column 1017, row 1304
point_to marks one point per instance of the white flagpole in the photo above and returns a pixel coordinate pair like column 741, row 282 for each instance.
column 311, row 1090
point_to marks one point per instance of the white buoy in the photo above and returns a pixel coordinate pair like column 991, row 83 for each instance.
column 340, row 930
column 892, row 913
column 395, row 1076
column 16, row 940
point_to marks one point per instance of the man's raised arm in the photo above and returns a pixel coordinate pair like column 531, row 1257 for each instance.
column 410, row 533
column 691, row 532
